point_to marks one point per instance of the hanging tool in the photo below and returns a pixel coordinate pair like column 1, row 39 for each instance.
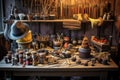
column 22, row 3
column 31, row 6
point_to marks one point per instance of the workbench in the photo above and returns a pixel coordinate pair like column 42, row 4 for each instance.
column 60, row 69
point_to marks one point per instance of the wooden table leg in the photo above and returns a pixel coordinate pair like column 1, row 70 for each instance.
column 8, row 76
column 103, row 75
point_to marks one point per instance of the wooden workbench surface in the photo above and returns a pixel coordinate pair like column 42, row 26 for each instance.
column 62, row 65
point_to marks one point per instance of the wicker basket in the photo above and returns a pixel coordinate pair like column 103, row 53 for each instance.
column 24, row 45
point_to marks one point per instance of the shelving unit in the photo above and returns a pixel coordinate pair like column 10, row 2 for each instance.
column 64, row 10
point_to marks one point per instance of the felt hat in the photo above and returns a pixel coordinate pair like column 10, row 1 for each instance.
column 18, row 30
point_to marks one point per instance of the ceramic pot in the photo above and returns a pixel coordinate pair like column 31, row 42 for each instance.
column 57, row 43
column 21, row 16
column 79, row 42
column 66, row 39
column 29, row 17
column 44, row 17
column 74, row 42
column 52, row 16
column 84, row 52
column 36, row 17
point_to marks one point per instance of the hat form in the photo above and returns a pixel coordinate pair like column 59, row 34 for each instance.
column 18, row 30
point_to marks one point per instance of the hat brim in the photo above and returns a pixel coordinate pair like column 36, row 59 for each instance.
column 24, row 42
column 11, row 36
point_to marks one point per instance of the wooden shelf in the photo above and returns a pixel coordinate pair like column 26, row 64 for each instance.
column 55, row 20
column 59, row 20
